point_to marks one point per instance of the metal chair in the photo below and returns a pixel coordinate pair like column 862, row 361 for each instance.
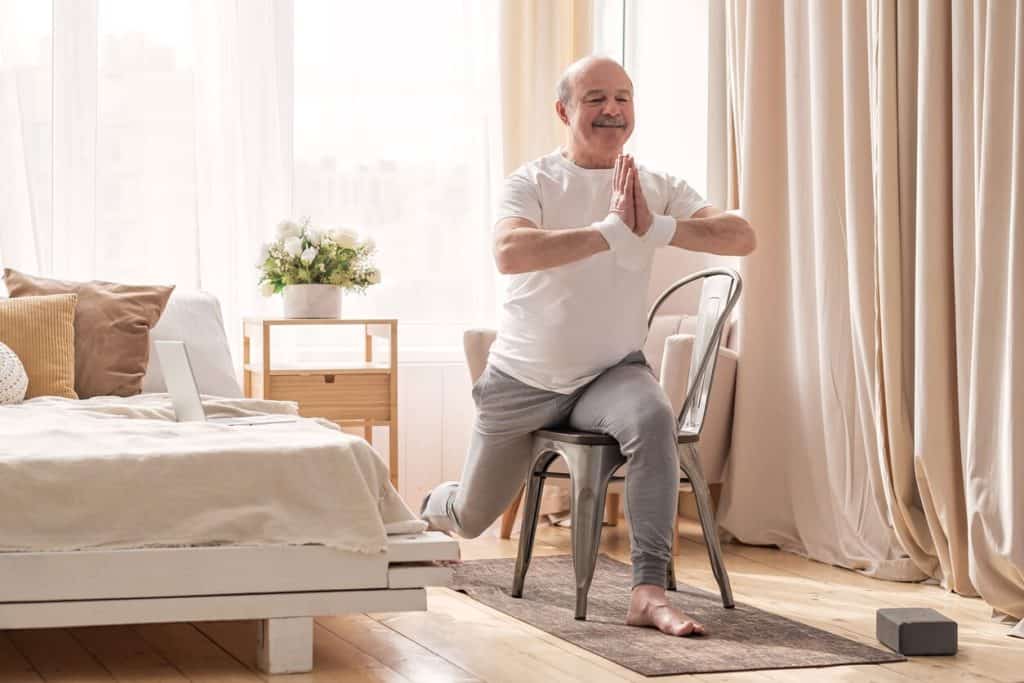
column 593, row 458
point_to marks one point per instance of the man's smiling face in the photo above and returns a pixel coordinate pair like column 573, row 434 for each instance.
column 600, row 111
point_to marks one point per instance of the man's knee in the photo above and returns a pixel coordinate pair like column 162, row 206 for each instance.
column 657, row 417
column 651, row 422
column 470, row 523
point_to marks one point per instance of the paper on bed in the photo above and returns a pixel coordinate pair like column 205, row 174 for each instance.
column 112, row 472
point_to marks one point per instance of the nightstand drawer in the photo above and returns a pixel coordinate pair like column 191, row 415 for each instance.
column 338, row 396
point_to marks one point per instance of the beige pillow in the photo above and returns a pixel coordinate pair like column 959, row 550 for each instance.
column 112, row 324
column 41, row 332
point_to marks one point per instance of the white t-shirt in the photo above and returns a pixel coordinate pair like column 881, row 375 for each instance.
column 561, row 327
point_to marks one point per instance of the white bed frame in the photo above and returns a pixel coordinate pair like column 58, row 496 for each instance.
column 282, row 586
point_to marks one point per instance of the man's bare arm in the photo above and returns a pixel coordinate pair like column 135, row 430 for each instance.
column 713, row 231
column 522, row 247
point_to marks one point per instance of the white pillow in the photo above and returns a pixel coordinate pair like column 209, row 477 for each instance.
column 194, row 318
column 13, row 379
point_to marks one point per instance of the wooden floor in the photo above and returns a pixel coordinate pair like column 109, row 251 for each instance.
column 461, row 640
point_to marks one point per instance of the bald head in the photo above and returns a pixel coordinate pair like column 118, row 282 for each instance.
column 595, row 102
column 580, row 70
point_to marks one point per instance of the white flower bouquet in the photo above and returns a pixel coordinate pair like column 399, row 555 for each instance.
column 305, row 255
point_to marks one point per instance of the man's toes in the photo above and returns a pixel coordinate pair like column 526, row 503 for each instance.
column 684, row 629
column 687, row 628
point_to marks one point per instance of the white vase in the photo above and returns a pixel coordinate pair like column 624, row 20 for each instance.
column 312, row 301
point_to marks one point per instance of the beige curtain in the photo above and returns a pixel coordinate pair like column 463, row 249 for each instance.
column 539, row 39
column 876, row 148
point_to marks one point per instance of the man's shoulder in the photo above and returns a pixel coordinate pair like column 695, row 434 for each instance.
column 546, row 165
column 657, row 174
column 664, row 182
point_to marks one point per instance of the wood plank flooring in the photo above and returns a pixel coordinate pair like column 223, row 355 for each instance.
column 460, row 640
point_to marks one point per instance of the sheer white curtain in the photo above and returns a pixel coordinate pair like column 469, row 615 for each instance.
column 147, row 141
column 243, row 143
column 154, row 141
column 25, row 134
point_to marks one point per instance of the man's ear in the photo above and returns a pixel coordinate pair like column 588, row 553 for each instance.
column 563, row 115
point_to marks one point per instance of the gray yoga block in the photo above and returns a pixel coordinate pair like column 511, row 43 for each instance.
column 916, row 631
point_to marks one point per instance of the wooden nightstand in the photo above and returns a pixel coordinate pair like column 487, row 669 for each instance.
column 346, row 393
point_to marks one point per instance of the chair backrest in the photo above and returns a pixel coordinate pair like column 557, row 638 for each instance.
column 719, row 294
column 667, row 325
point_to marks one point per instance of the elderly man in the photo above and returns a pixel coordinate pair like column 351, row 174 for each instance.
column 576, row 231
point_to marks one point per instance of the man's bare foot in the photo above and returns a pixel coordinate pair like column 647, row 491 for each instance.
column 649, row 607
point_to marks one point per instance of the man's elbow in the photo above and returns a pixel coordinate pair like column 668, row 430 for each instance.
column 748, row 240
column 505, row 259
column 744, row 240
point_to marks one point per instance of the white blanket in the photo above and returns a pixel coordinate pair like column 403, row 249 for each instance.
column 112, row 472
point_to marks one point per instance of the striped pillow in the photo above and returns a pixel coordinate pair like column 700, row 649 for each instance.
column 41, row 332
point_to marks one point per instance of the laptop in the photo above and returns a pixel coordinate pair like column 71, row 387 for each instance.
column 181, row 385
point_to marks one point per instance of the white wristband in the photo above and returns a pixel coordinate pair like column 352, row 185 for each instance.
column 616, row 233
column 661, row 232
column 630, row 251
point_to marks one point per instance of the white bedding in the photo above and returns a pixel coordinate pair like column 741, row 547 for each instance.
column 112, row 472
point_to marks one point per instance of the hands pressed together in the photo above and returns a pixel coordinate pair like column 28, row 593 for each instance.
column 632, row 231
column 628, row 201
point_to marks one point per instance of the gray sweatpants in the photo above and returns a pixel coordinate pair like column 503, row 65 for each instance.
column 626, row 402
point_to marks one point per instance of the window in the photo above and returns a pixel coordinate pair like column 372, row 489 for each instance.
column 395, row 134
column 145, row 152
column 156, row 141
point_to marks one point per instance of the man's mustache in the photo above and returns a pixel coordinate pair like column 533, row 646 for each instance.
column 610, row 123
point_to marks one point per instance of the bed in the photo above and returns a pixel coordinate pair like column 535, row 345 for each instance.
column 111, row 512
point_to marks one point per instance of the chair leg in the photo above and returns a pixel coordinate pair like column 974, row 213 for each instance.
column 688, row 460
column 508, row 518
column 670, row 584
column 611, row 509
column 589, row 470
column 528, row 530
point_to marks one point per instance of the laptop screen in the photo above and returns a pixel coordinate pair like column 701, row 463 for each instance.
column 181, row 383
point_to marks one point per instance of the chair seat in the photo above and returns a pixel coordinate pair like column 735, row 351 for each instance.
column 594, row 438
